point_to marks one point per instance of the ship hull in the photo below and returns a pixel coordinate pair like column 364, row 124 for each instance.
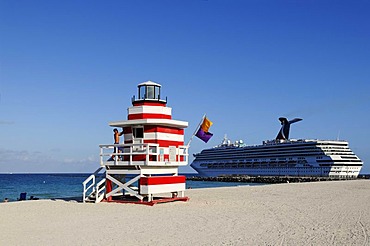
column 299, row 172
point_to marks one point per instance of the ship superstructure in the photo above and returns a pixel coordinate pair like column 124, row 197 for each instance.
column 280, row 157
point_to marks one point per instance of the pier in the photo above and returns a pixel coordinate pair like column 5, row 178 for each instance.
column 267, row 179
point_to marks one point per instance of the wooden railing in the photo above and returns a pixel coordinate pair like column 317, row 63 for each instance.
column 142, row 154
column 92, row 191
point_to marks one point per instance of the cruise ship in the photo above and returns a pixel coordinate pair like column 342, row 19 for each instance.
column 280, row 157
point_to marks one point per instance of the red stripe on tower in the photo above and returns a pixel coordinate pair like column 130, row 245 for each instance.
column 164, row 129
column 165, row 143
column 171, row 130
column 145, row 103
column 148, row 116
column 162, row 143
column 162, row 184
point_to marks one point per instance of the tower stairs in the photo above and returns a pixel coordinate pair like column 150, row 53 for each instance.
column 94, row 187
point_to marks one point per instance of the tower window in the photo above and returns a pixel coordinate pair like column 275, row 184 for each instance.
column 149, row 92
column 138, row 132
column 142, row 92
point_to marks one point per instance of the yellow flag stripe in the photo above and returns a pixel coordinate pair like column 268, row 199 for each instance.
column 206, row 124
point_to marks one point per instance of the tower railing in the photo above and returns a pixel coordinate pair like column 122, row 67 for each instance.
column 148, row 154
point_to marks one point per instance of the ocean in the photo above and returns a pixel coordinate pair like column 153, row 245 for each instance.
column 69, row 185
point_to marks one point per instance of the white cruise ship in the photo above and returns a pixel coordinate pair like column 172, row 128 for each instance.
column 280, row 157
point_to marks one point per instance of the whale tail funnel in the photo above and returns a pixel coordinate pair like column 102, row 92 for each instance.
column 285, row 127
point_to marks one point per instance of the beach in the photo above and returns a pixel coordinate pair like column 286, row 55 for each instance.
column 315, row 213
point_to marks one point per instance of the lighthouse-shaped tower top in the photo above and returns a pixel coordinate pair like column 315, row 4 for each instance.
column 149, row 93
column 150, row 137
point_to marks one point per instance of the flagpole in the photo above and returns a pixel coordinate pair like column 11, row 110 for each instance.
column 195, row 132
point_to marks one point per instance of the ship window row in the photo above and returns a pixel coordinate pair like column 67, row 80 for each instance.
column 356, row 168
column 243, row 156
column 347, row 168
column 339, row 161
column 334, row 144
column 342, row 172
column 334, row 149
column 342, row 165
column 301, row 169
column 258, row 161
column 259, row 164
column 283, row 153
column 349, row 157
column 270, row 152
column 234, row 165
column 278, row 159
column 288, row 169
column 278, row 154
column 338, row 152
column 242, row 163
column 305, row 146
column 267, row 148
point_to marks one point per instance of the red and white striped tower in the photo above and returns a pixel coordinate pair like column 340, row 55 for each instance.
column 151, row 151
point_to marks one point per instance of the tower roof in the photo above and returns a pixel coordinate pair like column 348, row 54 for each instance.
column 149, row 83
column 163, row 122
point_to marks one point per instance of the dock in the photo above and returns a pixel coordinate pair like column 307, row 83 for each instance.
column 270, row 179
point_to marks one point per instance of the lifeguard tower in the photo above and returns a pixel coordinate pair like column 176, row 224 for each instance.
column 143, row 167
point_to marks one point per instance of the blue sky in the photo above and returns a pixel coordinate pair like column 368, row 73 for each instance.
column 67, row 68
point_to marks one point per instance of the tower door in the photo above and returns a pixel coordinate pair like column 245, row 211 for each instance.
column 138, row 136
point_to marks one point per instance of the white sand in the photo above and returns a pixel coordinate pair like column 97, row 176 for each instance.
column 322, row 213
